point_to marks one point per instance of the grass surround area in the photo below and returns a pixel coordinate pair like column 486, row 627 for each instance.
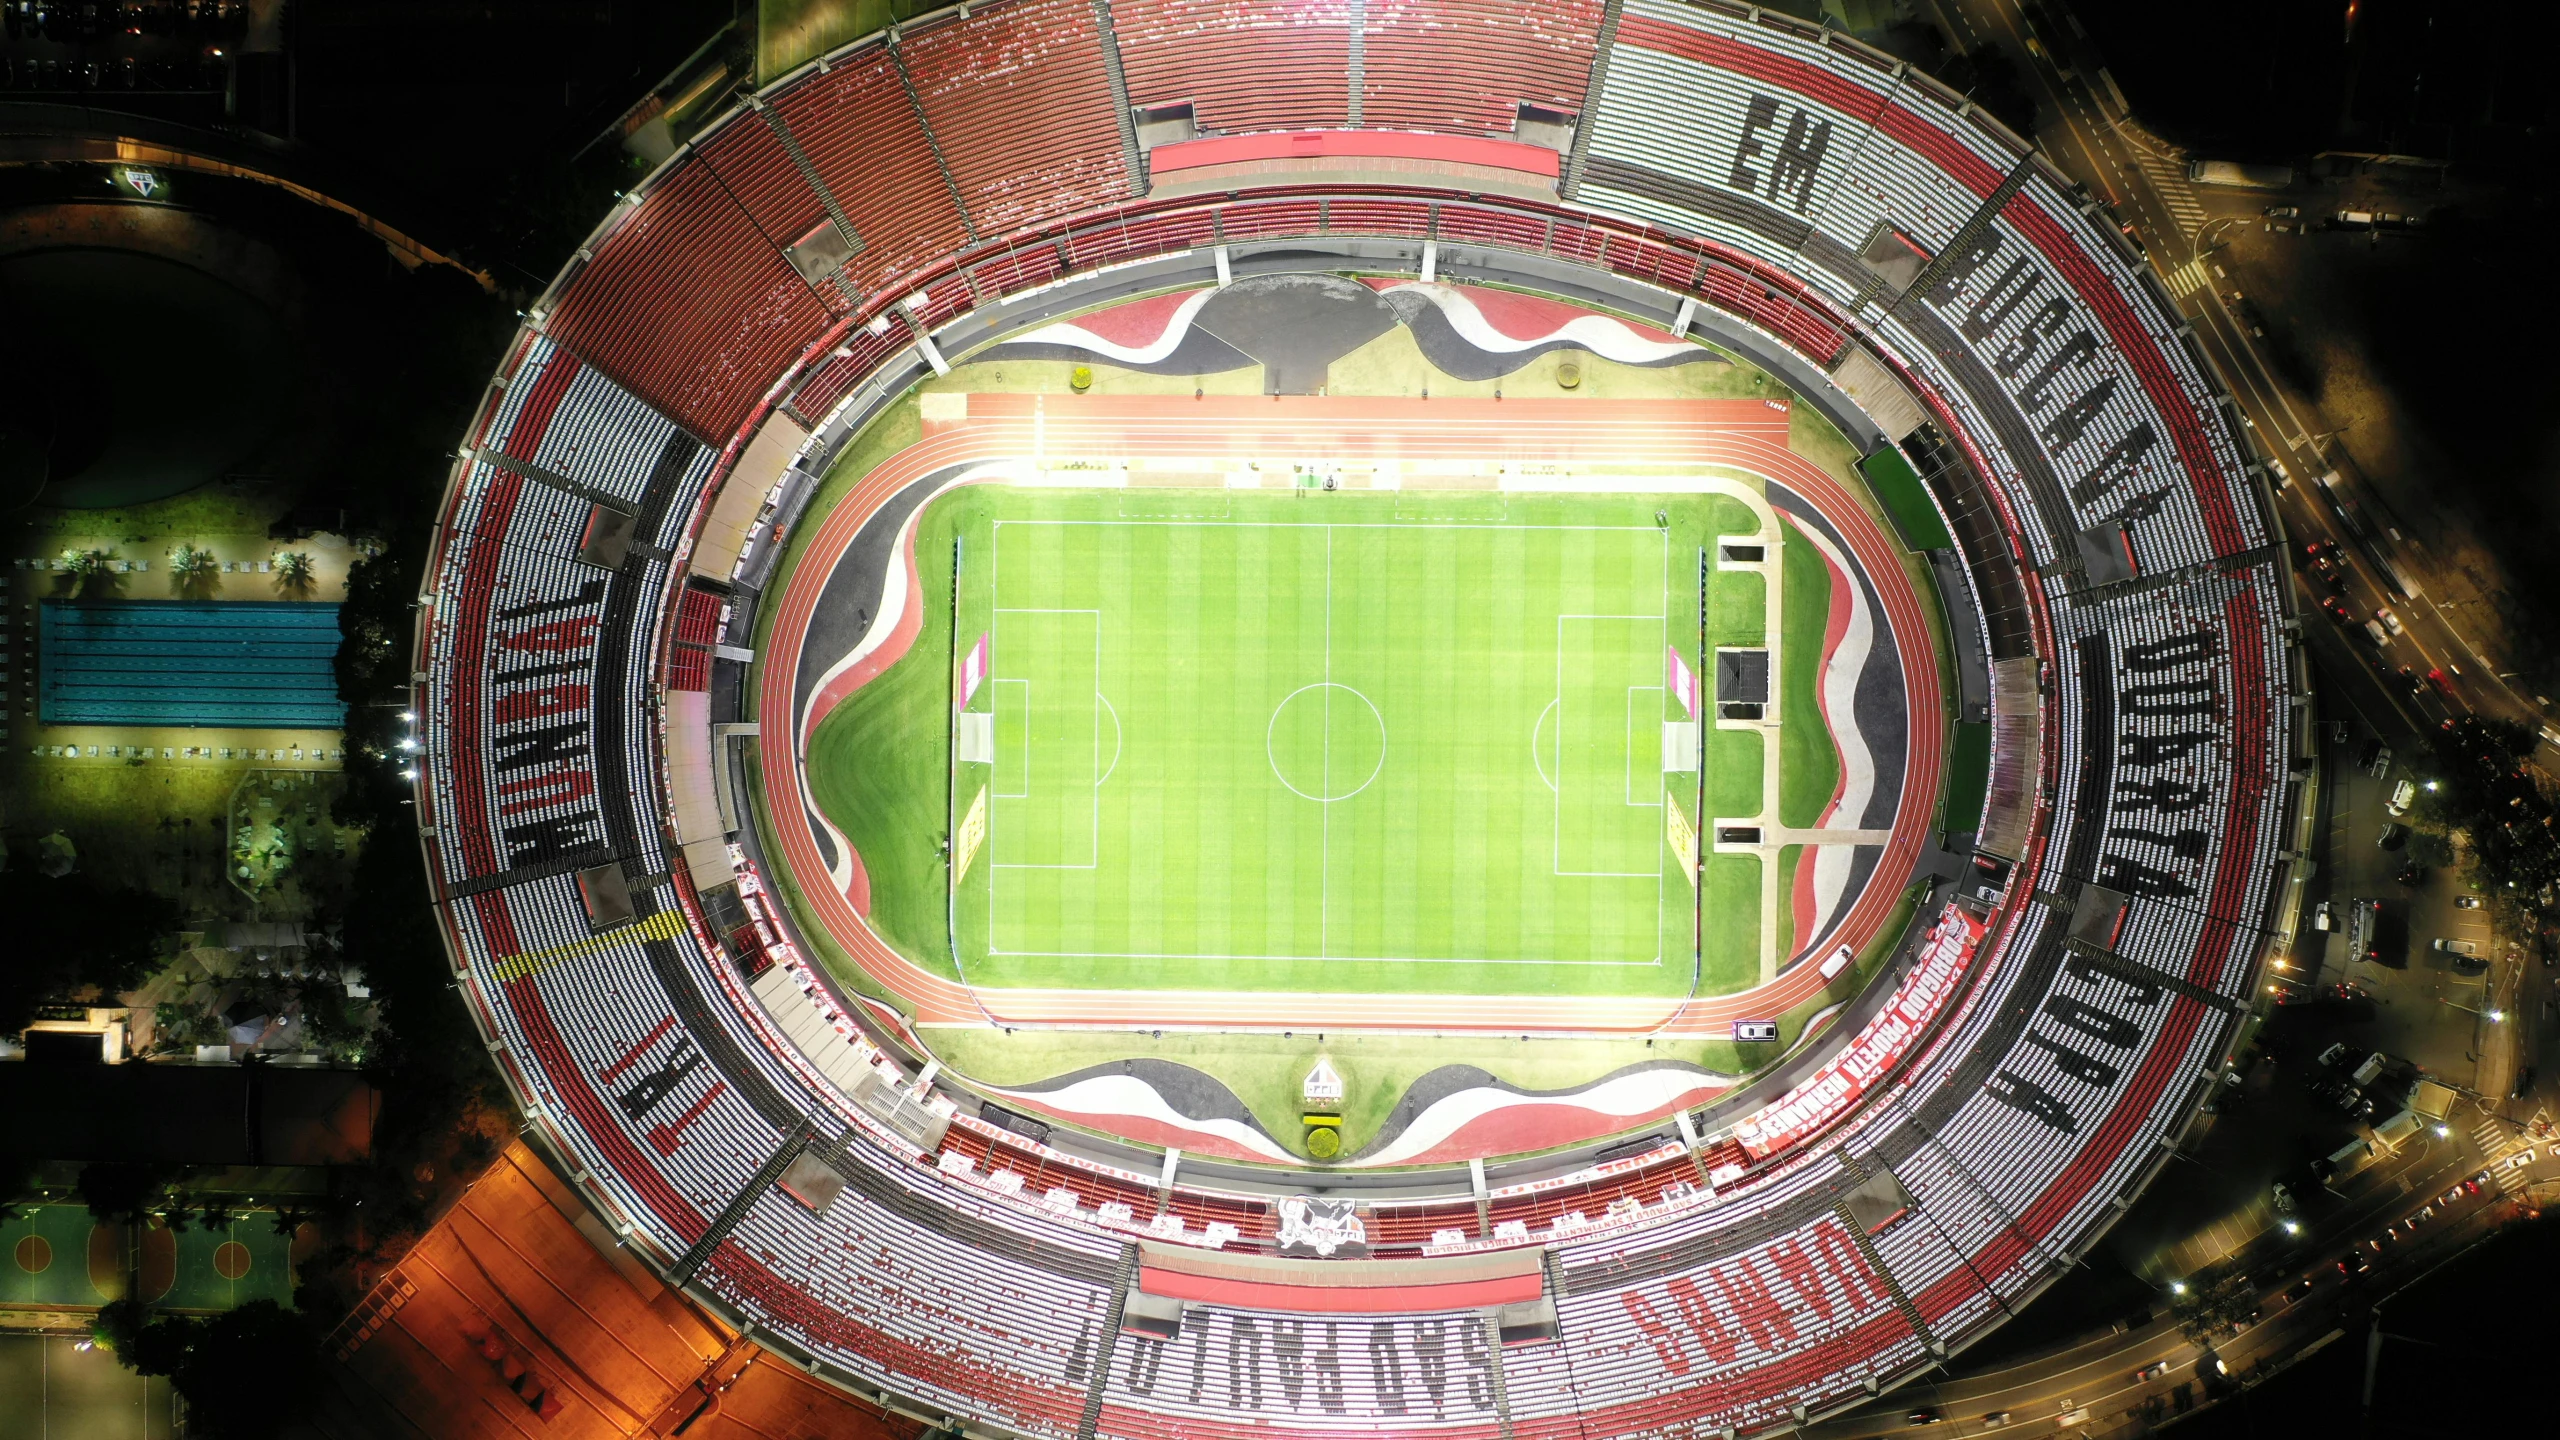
column 1265, row 1069
column 876, row 764
column 1808, row 762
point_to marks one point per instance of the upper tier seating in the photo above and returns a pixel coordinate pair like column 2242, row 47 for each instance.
column 857, row 125
column 685, row 298
column 1468, row 65
column 1240, row 64
column 1020, row 104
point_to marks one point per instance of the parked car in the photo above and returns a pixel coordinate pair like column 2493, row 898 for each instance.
column 2403, row 795
column 2283, row 212
column 2448, row 946
column 2320, row 916
column 2393, row 836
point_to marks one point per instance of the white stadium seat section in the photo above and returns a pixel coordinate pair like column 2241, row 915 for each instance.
column 916, row 1310
column 1234, row 1372
column 1650, row 114
column 602, row 436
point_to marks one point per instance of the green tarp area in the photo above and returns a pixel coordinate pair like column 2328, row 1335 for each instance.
column 1968, row 775
column 1905, row 499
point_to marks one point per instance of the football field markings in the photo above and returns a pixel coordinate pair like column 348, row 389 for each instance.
column 1102, row 773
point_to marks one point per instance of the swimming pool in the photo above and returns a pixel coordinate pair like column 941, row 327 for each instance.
column 241, row 663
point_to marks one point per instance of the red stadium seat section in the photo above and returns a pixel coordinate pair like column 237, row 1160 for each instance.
column 1020, row 104
column 857, row 124
column 1469, row 65
column 1239, row 64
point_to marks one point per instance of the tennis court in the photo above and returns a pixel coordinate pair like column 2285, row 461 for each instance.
column 267, row 664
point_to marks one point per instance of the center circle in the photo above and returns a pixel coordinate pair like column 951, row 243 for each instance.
column 1326, row 742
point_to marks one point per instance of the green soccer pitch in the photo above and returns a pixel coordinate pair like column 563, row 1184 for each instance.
column 1393, row 742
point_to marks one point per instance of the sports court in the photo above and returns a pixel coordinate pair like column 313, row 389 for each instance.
column 1372, row 746
column 210, row 663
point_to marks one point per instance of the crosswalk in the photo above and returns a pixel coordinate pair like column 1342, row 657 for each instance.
column 2188, row 279
column 2169, row 182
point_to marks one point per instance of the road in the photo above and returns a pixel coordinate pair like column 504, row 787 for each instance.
column 2086, row 132
column 2108, row 1376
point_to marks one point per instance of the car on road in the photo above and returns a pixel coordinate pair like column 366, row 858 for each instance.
column 2403, row 795
column 2443, row 683
column 2524, row 1082
column 2380, row 637
column 2466, row 902
column 2337, row 610
column 2152, row 1371
column 2445, row 945
column 1995, row 1420
column 2300, row 1290
column 2353, row 1264
column 1923, row 1417
column 2390, row 619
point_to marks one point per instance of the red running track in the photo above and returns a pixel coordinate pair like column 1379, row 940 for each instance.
column 1747, row 435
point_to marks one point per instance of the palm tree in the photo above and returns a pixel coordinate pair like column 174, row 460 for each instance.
column 91, row 570
column 294, row 570
column 192, row 569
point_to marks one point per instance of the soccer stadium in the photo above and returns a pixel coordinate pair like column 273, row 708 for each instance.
column 1210, row 717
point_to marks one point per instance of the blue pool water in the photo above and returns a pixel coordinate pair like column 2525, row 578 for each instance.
column 252, row 663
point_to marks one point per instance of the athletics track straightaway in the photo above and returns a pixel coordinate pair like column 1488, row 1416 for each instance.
column 1746, row 435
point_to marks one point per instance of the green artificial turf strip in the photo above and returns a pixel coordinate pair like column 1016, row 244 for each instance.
column 1738, row 609
column 1809, row 765
column 1209, row 873
column 1789, row 857
column 1733, row 774
column 1729, row 957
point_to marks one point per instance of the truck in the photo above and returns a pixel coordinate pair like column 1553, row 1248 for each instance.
column 2245, row 177
column 2390, row 1133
